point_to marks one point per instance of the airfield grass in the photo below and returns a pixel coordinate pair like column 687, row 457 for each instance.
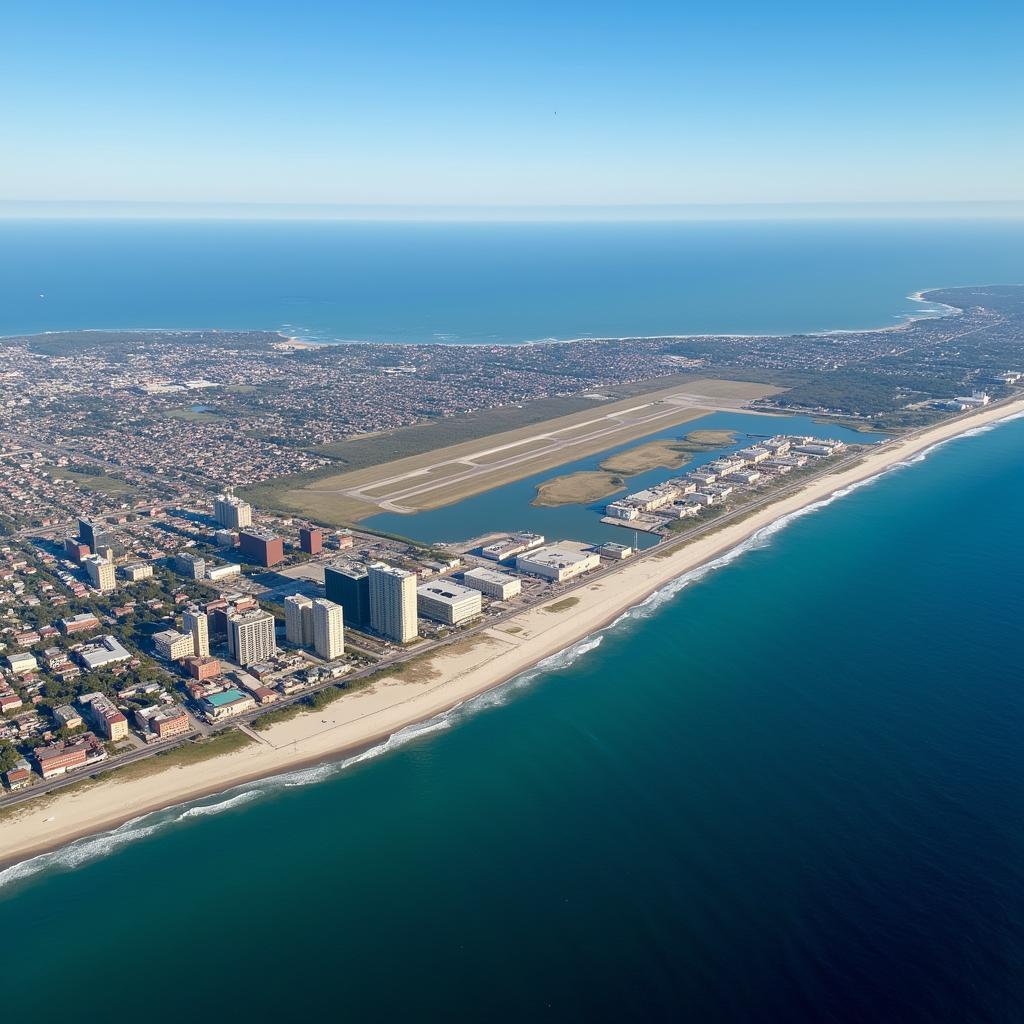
column 419, row 448
column 667, row 453
column 577, row 488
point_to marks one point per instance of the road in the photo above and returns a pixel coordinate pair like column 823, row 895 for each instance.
column 489, row 621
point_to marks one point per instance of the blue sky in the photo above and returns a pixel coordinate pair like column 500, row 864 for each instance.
column 515, row 104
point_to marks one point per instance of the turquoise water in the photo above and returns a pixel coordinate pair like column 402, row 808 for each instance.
column 509, row 508
column 489, row 282
column 792, row 791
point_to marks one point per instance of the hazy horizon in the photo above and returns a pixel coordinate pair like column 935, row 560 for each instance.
column 506, row 213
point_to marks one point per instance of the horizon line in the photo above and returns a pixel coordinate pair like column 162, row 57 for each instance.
column 32, row 209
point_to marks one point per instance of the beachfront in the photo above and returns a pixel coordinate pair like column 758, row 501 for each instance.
column 440, row 682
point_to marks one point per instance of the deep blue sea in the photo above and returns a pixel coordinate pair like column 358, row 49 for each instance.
column 787, row 789
column 489, row 282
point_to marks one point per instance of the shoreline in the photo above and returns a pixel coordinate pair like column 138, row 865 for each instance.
column 364, row 720
column 904, row 321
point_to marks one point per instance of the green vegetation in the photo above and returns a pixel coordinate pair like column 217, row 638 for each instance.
column 8, row 756
column 96, row 480
column 193, row 416
column 562, row 606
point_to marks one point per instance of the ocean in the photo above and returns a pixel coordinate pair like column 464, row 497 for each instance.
column 788, row 788
column 492, row 283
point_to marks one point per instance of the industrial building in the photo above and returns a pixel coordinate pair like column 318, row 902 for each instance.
column 558, row 562
column 104, row 650
column 448, row 602
column 493, row 583
column 509, row 547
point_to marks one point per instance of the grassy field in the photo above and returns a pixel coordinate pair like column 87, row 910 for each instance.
column 387, row 446
column 102, row 483
column 191, row 416
column 318, row 495
column 667, row 454
column 577, row 488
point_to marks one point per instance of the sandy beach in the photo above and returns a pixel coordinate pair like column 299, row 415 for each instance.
column 437, row 683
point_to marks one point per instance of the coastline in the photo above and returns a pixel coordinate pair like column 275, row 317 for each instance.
column 305, row 342
column 363, row 720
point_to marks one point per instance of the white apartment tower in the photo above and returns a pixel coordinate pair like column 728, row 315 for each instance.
column 393, row 602
column 298, row 620
column 251, row 636
column 328, row 629
column 232, row 512
column 101, row 573
column 194, row 621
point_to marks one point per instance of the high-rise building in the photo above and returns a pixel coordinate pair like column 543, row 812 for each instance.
column 75, row 549
column 261, row 546
column 393, row 602
column 89, row 532
column 311, row 540
column 96, row 535
column 101, row 573
column 194, row 622
column 190, row 565
column 232, row 512
column 251, row 636
column 328, row 629
column 298, row 620
column 349, row 586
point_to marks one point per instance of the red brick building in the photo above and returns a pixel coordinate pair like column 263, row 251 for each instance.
column 261, row 547
column 311, row 540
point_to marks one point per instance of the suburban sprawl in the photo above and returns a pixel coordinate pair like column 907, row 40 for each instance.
column 168, row 584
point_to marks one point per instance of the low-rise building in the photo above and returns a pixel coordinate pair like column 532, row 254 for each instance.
column 67, row 717
column 558, row 562
column 136, row 571
column 103, row 651
column 227, row 704
column 509, row 547
column 67, row 755
column 22, row 663
column 614, row 551
column 105, row 716
column 448, row 602
column 492, row 583
column 79, row 623
column 162, row 722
